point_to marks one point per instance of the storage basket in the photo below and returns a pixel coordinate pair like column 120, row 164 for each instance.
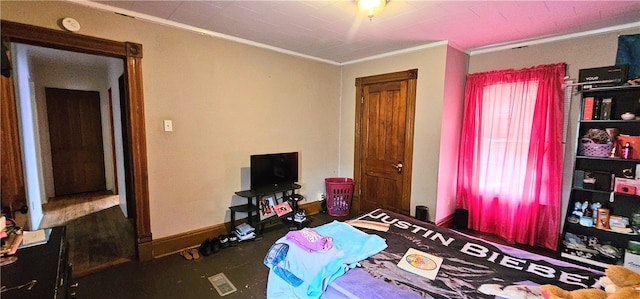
column 339, row 194
column 589, row 148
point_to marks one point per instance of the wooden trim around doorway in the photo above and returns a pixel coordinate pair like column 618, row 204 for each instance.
column 131, row 53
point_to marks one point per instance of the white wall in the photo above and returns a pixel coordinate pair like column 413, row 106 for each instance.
column 27, row 118
column 452, row 114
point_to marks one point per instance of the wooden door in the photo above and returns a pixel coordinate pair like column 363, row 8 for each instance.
column 384, row 144
column 75, row 130
column 12, row 185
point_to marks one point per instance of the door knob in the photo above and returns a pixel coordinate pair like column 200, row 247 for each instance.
column 398, row 167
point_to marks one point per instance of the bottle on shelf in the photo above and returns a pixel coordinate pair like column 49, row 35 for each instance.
column 594, row 208
column 587, row 215
column 613, row 138
column 587, row 210
column 602, row 218
column 626, row 151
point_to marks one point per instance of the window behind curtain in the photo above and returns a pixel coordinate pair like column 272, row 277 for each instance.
column 505, row 140
column 510, row 165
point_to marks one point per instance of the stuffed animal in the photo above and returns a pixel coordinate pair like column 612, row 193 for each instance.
column 619, row 283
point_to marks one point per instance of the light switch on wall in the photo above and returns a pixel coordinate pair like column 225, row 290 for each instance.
column 168, row 125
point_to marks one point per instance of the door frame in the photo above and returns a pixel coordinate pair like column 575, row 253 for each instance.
column 411, row 76
column 131, row 54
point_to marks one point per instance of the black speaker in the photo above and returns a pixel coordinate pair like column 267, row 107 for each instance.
column 461, row 218
column 422, row 213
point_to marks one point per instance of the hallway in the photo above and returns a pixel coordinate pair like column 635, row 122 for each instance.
column 62, row 209
column 98, row 234
column 100, row 240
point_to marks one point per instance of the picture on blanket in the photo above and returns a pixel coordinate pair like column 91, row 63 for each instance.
column 420, row 263
column 471, row 267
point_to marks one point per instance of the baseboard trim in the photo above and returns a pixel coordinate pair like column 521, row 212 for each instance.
column 312, row 208
column 446, row 222
column 176, row 243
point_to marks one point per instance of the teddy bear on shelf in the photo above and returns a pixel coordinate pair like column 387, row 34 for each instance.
column 619, row 282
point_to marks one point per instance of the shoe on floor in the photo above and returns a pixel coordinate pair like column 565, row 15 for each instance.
column 224, row 241
column 194, row 253
column 205, row 248
column 300, row 216
column 186, row 254
column 215, row 245
column 233, row 239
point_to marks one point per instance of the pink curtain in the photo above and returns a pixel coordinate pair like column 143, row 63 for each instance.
column 510, row 162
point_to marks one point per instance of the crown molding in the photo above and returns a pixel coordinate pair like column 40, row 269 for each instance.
column 536, row 41
column 152, row 19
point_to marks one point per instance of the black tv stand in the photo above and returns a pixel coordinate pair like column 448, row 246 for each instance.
column 252, row 209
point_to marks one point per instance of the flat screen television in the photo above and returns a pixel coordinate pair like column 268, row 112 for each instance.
column 272, row 170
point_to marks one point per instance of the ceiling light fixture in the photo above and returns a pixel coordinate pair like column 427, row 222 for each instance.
column 372, row 7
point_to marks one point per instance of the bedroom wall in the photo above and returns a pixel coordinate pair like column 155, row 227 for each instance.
column 452, row 114
column 578, row 53
column 441, row 73
column 227, row 101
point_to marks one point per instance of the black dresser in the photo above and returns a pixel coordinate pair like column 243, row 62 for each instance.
column 47, row 264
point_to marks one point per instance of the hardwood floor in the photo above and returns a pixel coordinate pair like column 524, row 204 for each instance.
column 100, row 240
column 60, row 210
column 99, row 235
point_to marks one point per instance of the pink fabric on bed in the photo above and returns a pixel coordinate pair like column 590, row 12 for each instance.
column 310, row 240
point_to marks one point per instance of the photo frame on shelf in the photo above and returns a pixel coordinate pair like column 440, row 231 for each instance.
column 283, row 208
column 266, row 205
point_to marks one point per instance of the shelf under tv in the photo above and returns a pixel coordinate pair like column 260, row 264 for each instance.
column 252, row 209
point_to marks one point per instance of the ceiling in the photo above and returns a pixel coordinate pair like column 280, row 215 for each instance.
column 335, row 31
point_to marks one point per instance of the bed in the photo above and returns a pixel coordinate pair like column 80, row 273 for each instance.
column 470, row 268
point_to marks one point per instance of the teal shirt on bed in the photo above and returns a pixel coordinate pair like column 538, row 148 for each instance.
column 318, row 269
